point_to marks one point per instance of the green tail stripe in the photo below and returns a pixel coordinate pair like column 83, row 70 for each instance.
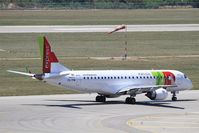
column 41, row 46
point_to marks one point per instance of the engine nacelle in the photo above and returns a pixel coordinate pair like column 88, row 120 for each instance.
column 159, row 94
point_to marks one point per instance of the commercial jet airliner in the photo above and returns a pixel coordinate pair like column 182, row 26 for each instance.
column 110, row 83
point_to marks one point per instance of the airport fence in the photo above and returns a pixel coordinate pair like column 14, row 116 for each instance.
column 29, row 4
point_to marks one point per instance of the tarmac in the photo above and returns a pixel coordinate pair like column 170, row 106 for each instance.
column 79, row 113
column 97, row 28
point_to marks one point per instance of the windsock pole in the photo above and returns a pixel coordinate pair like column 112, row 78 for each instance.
column 125, row 35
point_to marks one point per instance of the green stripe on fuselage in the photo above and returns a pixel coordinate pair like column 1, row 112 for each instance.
column 159, row 78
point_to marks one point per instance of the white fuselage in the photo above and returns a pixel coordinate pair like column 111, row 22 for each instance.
column 109, row 82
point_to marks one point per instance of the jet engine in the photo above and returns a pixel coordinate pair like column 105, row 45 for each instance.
column 159, row 94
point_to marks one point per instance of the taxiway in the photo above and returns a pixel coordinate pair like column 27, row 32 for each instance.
column 79, row 113
column 97, row 28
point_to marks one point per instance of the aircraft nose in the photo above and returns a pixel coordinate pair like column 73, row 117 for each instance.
column 189, row 84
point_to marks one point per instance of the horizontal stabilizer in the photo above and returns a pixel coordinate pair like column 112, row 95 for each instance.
column 22, row 73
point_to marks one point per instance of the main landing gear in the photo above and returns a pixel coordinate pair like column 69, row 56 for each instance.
column 174, row 98
column 130, row 100
column 100, row 98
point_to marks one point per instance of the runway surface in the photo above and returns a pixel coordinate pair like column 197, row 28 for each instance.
column 97, row 28
column 79, row 113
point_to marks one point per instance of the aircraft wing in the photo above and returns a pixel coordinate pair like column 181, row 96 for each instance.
column 137, row 89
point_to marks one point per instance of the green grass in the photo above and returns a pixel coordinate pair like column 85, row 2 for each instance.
column 12, row 84
column 92, row 17
column 71, row 45
column 101, row 44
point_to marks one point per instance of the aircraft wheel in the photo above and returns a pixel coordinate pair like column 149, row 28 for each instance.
column 133, row 100
column 174, row 98
column 130, row 100
column 100, row 99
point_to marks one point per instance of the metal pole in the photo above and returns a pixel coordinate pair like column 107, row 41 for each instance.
column 125, row 43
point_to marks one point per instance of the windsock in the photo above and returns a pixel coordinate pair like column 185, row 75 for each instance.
column 118, row 28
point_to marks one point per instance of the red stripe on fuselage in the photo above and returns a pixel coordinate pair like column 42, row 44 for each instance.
column 169, row 77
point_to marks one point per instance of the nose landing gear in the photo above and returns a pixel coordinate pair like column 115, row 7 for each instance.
column 174, row 97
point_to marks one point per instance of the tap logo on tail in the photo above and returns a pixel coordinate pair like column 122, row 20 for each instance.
column 46, row 54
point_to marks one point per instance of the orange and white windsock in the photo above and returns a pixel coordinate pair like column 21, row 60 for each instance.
column 120, row 27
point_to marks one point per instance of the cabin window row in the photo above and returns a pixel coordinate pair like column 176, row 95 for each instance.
column 125, row 77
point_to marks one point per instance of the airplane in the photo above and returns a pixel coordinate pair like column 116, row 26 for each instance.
column 109, row 83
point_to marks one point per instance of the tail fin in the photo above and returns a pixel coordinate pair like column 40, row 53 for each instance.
column 49, row 59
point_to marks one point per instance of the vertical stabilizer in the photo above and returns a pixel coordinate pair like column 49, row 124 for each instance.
column 49, row 59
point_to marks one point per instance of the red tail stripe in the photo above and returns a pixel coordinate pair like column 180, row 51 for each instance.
column 49, row 57
column 53, row 58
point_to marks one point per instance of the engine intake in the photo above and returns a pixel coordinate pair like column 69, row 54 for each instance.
column 159, row 94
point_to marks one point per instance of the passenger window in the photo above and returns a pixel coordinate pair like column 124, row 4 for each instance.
column 87, row 77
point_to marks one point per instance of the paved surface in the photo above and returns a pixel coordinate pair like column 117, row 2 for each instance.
column 97, row 28
column 79, row 113
column 110, row 58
